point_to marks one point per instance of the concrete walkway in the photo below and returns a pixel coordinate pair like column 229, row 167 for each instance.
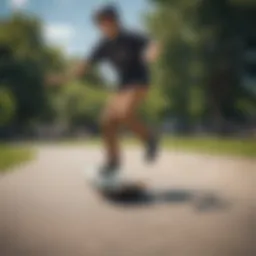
column 199, row 206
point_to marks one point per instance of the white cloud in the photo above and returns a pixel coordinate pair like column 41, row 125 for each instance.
column 61, row 35
column 58, row 32
column 18, row 4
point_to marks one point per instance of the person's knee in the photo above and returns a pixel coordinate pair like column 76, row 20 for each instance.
column 119, row 116
column 124, row 116
column 108, row 121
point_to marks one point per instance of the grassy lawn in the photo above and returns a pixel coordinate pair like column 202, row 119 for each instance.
column 216, row 146
column 10, row 156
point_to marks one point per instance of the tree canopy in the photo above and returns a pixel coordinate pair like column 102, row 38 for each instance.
column 196, row 79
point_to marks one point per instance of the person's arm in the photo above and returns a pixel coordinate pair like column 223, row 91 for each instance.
column 152, row 51
column 80, row 69
column 77, row 72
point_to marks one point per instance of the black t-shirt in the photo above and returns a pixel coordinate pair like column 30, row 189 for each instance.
column 124, row 53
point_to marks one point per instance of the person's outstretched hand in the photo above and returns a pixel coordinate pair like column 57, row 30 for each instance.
column 55, row 79
column 74, row 73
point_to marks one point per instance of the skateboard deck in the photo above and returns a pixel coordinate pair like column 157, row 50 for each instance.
column 115, row 184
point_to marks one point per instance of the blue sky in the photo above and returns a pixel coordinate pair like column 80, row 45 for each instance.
column 68, row 22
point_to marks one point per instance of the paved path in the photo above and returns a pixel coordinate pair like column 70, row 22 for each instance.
column 203, row 207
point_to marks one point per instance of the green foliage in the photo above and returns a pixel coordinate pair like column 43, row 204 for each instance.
column 78, row 104
column 198, row 67
column 197, row 39
column 153, row 107
column 24, row 59
column 173, row 23
column 7, row 106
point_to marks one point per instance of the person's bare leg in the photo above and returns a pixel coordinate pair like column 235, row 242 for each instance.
column 130, row 101
column 121, row 111
column 110, row 139
column 118, row 112
column 138, row 128
column 110, row 128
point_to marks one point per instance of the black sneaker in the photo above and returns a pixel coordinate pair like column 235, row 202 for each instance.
column 152, row 149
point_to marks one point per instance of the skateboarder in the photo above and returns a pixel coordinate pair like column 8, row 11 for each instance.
column 130, row 54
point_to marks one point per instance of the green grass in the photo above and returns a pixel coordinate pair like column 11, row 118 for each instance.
column 206, row 145
column 11, row 156
column 216, row 146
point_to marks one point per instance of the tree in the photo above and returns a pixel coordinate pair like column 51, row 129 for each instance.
column 24, row 60
column 223, row 59
column 178, row 71
column 7, row 107
column 78, row 104
column 199, row 67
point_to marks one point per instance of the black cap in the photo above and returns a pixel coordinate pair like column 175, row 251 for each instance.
column 106, row 12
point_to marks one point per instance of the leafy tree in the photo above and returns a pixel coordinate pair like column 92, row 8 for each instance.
column 173, row 23
column 78, row 104
column 199, row 67
column 24, row 60
column 7, row 106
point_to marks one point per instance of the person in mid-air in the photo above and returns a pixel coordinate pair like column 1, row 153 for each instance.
column 130, row 54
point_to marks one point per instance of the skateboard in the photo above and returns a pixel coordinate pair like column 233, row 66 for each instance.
column 114, row 185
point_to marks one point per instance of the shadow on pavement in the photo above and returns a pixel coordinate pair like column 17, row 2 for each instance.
column 200, row 200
